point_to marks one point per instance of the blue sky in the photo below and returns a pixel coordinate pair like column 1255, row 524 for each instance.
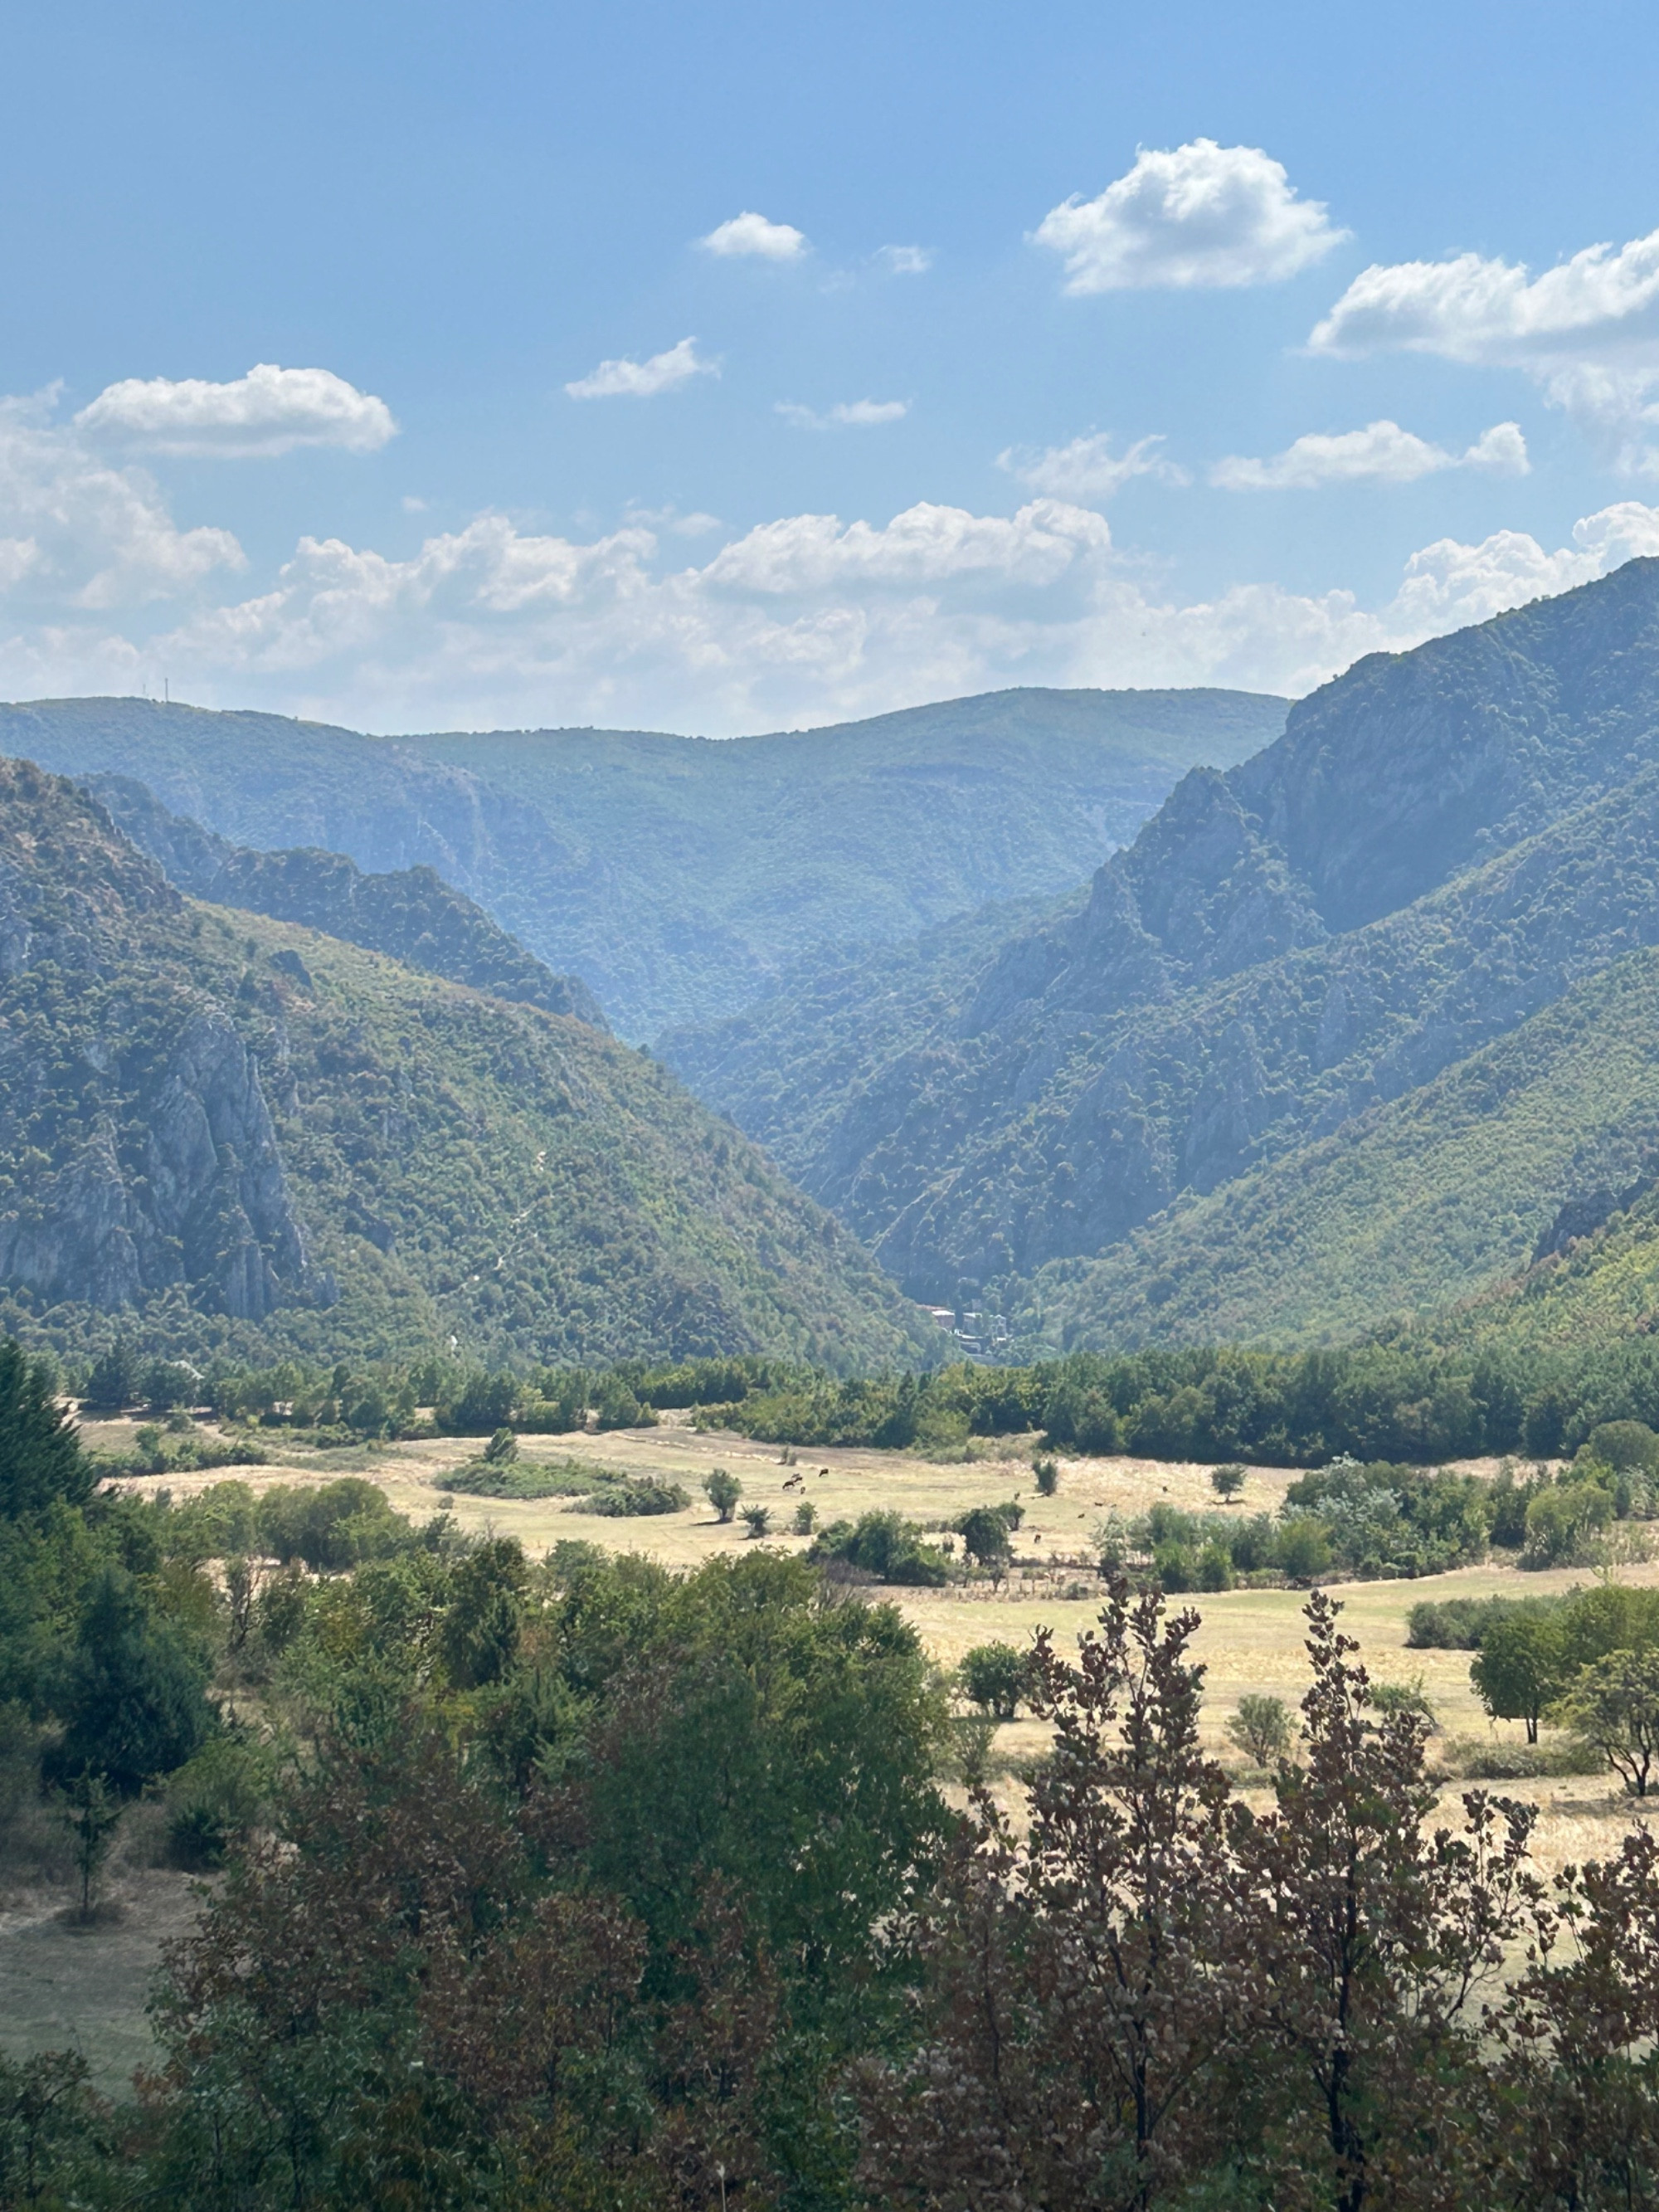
column 1085, row 345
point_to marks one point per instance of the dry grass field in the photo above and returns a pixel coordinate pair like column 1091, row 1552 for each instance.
column 61, row 1983
column 1249, row 1640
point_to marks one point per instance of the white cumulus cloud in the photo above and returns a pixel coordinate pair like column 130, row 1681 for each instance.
column 803, row 619
column 643, row 380
column 807, row 618
column 1586, row 331
column 752, row 234
column 1199, row 215
column 1470, row 309
column 1087, row 468
column 1379, row 454
column 845, row 415
column 77, row 533
column 271, row 411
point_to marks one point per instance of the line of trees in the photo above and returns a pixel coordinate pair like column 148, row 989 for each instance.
column 1407, row 1401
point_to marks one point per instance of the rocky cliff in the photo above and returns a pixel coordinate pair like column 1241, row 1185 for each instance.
column 137, row 1157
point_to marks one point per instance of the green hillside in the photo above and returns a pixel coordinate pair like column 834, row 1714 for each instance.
column 1598, row 1287
column 795, row 1069
column 218, row 1129
column 678, row 876
column 1408, row 1209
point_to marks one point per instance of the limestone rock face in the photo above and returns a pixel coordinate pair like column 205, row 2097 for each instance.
column 81, row 1238
column 215, row 1175
column 146, row 1153
column 204, row 1201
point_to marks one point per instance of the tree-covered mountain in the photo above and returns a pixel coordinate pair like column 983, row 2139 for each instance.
column 1416, row 1206
column 410, row 914
column 1440, row 844
column 678, row 876
column 1592, row 1281
column 222, row 1130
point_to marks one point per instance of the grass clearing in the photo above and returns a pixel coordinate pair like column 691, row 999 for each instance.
column 1250, row 1639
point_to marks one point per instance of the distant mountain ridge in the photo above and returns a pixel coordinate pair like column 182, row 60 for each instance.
column 678, row 876
column 411, row 914
column 1440, row 845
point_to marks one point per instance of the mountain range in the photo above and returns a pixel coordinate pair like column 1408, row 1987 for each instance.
column 1359, row 1030
column 678, row 876
column 1441, row 845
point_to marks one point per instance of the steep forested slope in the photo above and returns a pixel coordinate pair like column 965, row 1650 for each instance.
column 220, row 1128
column 1402, row 1210
column 677, row 876
column 1596, row 1282
column 1224, row 993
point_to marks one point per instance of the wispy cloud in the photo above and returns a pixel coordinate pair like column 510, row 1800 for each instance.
column 670, row 518
column 905, row 260
column 1379, row 454
column 752, row 233
column 1200, row 214
column 643, row 380
column 846, row 415
column 1087, row 468
column 269, row 411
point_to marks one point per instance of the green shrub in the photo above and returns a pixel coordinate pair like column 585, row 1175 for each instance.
column 886, row 1546
column 1454, row 1624
column 483, row 1404
column 332, row 1527
column 1405, row 1698
column 642, row 1496
column 723, row 1490
column 524, row 1478
column 1483, row 1759
column 1260, row 1727
column 984, row 1533
column 993, row 1676
column 216, row 1798
column 1176, row 1569
column 1562, row 1521
column 1304, row 1549
column 1215, row 1568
